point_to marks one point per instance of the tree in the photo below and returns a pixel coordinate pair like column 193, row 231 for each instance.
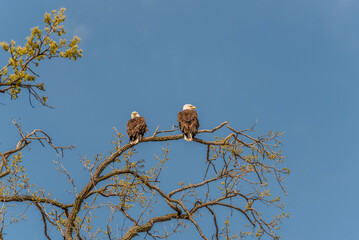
column 240, row 169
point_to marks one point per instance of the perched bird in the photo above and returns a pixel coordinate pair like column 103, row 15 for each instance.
column 188, row 122
column 136, row 128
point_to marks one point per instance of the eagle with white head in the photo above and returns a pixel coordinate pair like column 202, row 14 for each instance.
column 188, row 122
column 136, row 128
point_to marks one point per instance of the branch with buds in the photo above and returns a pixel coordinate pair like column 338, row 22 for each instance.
column 238, row 172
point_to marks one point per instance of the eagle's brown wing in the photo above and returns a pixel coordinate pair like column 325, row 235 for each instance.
column 188, row 122
column 136, row 127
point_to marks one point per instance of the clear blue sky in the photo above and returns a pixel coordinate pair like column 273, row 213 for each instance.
column 291, row 64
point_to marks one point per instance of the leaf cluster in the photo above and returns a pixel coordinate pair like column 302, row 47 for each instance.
column 43, row 44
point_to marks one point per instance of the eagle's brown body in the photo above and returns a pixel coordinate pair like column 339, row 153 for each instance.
column 188, row 123
column 136, row 128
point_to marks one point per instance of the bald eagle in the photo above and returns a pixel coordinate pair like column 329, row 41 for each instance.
column 188, row 122
column 136, row 128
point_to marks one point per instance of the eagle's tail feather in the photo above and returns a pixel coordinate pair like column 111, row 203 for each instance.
column 188, row 138
column 135, row 141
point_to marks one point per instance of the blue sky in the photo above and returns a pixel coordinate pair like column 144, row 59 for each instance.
column 291, row 64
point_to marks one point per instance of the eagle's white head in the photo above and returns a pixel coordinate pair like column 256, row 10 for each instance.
column 188, row 107
column 134, row 114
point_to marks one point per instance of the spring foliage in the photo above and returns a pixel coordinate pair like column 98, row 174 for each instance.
column 43, row 44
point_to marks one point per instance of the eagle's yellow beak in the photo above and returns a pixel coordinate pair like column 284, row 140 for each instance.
column 193, row 107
